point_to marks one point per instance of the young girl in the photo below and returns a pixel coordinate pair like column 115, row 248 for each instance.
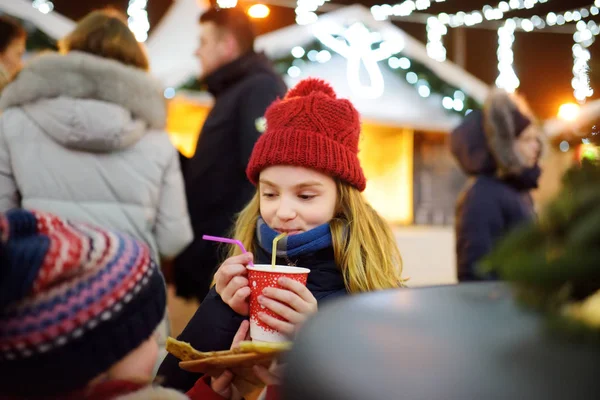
column 309, row 182
column 78, row 308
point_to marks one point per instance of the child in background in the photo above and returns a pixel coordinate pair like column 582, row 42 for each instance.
column 78, row 308
column 309, row 183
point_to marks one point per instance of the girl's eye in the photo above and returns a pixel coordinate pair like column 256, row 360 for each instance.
column 268, row 195
column 307, row 196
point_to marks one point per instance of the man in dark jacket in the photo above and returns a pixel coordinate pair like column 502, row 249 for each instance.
column 499, row 148
column 244, row 84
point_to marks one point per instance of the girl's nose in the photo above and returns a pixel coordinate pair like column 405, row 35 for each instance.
column 285, row 211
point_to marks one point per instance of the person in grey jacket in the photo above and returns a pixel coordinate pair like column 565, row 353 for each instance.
column 82, row 136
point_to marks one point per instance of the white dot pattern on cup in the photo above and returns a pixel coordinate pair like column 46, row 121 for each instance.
column 261, row 280
column 263, row 335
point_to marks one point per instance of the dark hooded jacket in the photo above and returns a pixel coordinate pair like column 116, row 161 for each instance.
column 497, row 196
column 215, row 177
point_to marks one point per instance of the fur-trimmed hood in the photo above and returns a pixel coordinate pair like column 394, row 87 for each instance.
column 87, row 102
column 483, row 142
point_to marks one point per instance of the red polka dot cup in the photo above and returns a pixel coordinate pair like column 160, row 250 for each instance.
column 262, row 276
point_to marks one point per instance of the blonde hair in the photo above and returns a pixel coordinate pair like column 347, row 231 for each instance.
column 363, row 243
column 105, row 33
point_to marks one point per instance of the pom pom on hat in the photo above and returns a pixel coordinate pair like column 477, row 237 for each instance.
column 312, row 128
column 310, row 86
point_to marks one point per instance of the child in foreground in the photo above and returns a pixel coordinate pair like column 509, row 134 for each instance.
column 78, row 310
column 309, row 183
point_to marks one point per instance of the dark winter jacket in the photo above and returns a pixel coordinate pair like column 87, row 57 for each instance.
column 215, row 179
column 214, row 325
column 497, row 196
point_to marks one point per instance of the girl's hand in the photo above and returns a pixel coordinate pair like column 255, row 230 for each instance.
column 232, row 283
column 273, row 376
column 295, row 303
column 223, row 385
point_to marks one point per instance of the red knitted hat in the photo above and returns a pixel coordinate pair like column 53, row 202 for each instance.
column 311, row 128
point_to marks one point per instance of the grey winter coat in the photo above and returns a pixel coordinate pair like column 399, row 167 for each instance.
column 83, row 137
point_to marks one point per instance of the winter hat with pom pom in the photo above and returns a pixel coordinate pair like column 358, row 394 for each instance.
column 74, row 300
column 311, row 127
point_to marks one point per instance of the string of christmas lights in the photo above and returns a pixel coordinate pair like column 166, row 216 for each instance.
column 584, row 37
column 437, row 28
column 404, row 9
column 572, row 15
column 507, row 78
column 438, row 25
column 435, row 32
column 138, row 19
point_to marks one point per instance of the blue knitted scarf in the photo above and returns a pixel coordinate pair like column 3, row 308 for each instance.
column 296, row 245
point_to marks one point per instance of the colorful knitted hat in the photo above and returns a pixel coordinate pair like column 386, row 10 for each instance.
column 311, row 128
column 74, row 300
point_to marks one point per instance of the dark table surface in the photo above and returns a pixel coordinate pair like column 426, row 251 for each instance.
column 460, row 342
